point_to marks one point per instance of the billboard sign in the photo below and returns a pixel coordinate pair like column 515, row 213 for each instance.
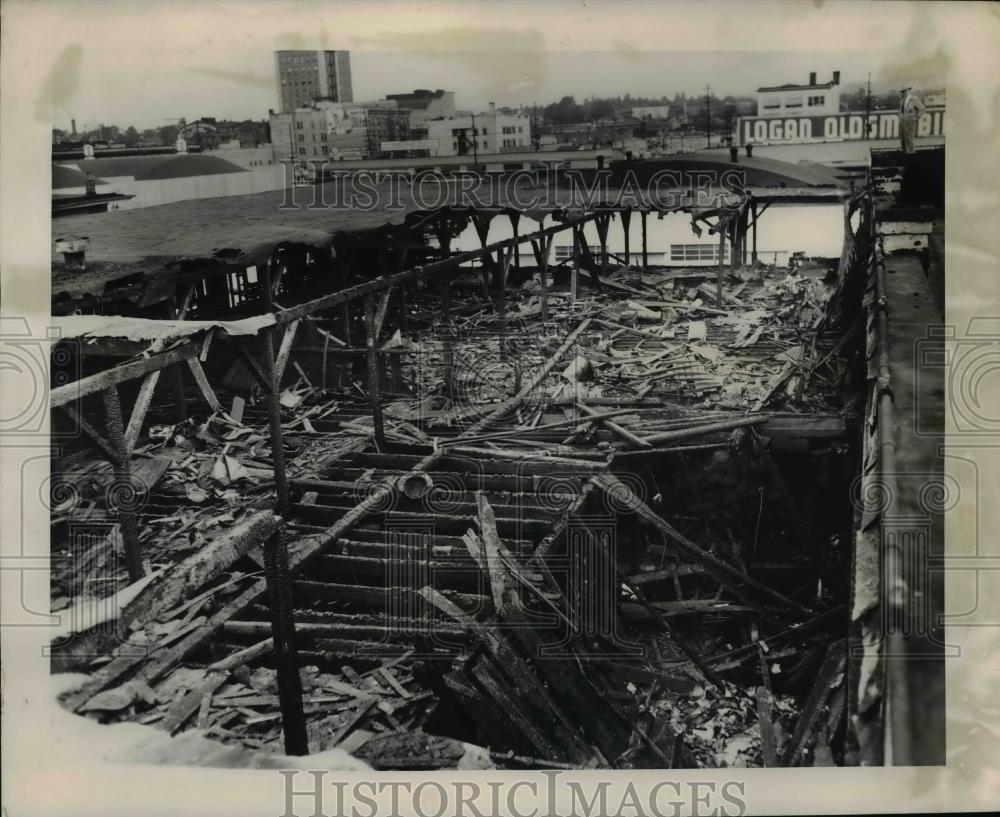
column 411, row 144
column 842, row 127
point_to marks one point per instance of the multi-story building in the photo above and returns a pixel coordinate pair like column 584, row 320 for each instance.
column 304, row 77
column 424, row 105
column 334, row 130
column 387, row 125
column 209, row 133
column 488, row 133
column 814, row 99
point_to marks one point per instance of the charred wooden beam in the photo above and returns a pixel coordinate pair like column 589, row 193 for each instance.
column 71, row 392
column 124, row 496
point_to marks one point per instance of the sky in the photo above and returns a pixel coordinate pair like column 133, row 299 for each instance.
column 149, row 64
column 239, row 84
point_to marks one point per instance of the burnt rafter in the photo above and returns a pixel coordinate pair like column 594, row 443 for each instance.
column 538, row 518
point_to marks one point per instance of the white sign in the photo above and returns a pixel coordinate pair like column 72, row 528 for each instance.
column 837, row 127
column 413, row 144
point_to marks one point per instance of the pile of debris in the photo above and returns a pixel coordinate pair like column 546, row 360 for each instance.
column 488, row 480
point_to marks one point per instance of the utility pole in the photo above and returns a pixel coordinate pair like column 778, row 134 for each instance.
column 868, row 108
column 475, row 145
column 708, row 113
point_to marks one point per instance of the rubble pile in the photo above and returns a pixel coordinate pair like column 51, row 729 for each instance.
column 422, row 564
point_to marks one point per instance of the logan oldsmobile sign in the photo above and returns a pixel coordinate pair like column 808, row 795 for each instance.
column 838, row 127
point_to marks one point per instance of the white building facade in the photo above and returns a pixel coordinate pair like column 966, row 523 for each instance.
column 326, row 131
column 812, row 99
column 484, row 133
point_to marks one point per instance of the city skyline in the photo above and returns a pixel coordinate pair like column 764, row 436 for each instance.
column 191, row 86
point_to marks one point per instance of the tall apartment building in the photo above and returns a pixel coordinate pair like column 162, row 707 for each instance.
column 306, row 76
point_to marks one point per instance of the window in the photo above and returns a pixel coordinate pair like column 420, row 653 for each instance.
column 564, row 251
column 302, row 151
column 694, row 252
column 793, row 102
column 302, row 137
column 298, row 125
column 520, row 129
column 816, row 100
column 772, row 104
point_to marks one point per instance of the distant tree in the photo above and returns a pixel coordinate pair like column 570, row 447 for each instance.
column 564, row 112
column 131, row 136
column 168, row 134
column 599, row 109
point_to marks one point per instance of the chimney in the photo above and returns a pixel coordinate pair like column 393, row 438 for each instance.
column 836, row 77
column 812, row 77
column 73, row 123
column 493, row 108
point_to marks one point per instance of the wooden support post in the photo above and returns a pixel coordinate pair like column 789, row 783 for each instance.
column 574, row 280
column 177, row 371
column 285, row 350
column 503, row 266
column 753, row 251
column 128, row 521
column 177, row 386
column 374, row 386
column 482, row 226
column 400, row 266
column 380, row 313
column 90, row 431
column 449, row 352
column 142, row 403
column 541, row 249
column 515, row 218
column 203, row 385
column 271, row 399
column 345, row 323
column 626, row 223
column 444, row 239
column 286, row 657
column 734, row 242
column 722, row 264
column 645, row 257
column 602, row 233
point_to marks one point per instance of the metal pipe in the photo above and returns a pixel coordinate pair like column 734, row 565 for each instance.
column 895, row 589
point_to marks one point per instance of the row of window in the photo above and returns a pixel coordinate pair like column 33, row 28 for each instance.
column 794, row 102
column 512, row 129
column 564, row 251
column 678, row 252
column 694, row 252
